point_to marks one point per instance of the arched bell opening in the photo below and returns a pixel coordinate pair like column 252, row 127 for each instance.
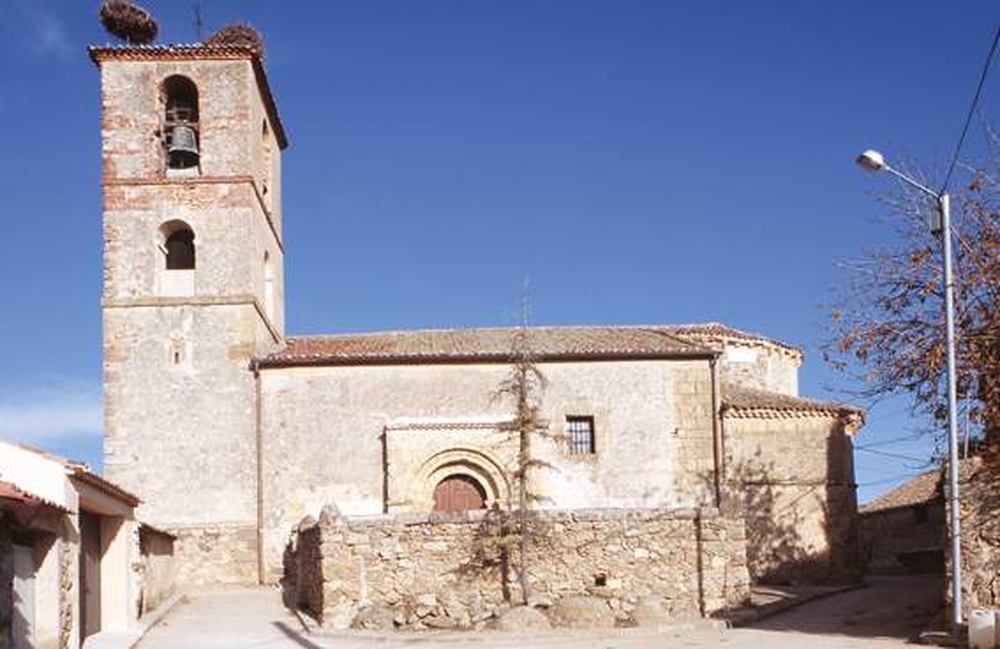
column 180, row 133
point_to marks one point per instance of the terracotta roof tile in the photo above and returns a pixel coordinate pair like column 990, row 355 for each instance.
column 83, row 474
column 713, row 332
column 486, row 345
column 922, row 489
column 494, row 344
column 10, row 492
column 740, row 401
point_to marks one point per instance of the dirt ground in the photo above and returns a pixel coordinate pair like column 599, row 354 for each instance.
column 889, row 612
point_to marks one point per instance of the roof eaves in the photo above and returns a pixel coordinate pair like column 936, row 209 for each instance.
column 10, row 491
column 87, row 477
column 712, row 330
column 278, row 360
column 143, row 525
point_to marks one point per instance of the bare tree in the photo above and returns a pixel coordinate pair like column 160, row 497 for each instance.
column 524, row 388
column 887, row 329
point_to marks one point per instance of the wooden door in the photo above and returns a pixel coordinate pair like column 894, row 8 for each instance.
column 457, row 493
column 90, row 574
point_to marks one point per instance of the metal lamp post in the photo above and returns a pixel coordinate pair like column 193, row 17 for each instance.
column 941, row 225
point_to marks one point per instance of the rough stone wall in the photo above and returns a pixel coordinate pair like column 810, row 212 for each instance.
column 215, row 554
column 904, row 539
column 793, row 480
column 763, row 367
column 179, row 393
column 979, row 498
column 157, row 570
column 69, row 578
column 227, row 199
column 304, row 568
column 173, row 430
column 6, row 583
column 323, row 432
column 444, row 570
column 132, row 107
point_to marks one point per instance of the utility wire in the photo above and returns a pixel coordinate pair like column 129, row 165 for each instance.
column 910, row 458
column 972, row 110
column 889, row 442
column 885, row 480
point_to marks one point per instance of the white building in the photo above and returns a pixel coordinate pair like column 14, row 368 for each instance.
column 69, row 552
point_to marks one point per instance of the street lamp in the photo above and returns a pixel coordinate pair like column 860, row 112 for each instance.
column 940, row 225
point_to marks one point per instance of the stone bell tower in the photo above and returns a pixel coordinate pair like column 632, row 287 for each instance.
column 191, row 144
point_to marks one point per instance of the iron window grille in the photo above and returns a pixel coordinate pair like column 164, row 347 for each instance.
column 580, row 435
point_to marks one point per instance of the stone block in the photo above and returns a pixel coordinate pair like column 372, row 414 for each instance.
column 579, row 612
column 522, row 618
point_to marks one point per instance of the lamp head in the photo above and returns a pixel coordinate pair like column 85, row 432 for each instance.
column 871, row 160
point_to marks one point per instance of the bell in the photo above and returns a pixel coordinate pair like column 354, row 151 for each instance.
column 183, row 150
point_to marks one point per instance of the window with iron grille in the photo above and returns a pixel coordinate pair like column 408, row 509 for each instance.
column 580, row 435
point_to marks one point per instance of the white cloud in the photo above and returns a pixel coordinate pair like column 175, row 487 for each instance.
column 44, row 32
column 59, row 409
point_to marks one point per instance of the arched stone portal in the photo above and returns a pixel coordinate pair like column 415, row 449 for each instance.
column 460, row 479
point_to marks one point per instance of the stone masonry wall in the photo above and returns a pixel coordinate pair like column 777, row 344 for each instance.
column 303, row 573
column 327, row 436
column 904, row 539
column 763, row 367
column 156, row 570
column 444, row 570
column 215, row 554
column 179, row 394
column 793, row 481
column 69, row 594
column 979, row 498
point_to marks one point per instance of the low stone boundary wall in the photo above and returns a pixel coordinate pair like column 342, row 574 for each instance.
column 458, row 570
column 214, row 554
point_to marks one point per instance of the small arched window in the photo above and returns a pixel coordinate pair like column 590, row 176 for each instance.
column 180, row 133
column 268, row 164
column 178, row 245
column 268, row 286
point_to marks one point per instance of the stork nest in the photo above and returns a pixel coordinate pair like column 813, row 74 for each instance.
column 239, row 35
column 128, row 21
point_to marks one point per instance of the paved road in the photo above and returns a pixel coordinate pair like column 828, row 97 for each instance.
column 231, row 618
column 883, row 615
column 890, row 607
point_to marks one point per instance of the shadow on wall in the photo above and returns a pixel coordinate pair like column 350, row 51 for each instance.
column 20, row 628
column 502, row 550
column 302, row 588
column 498, row 565
column 16, row 587
column 799, row 530
column 775, row 549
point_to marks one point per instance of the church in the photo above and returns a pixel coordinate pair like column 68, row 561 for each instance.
column 231, row 431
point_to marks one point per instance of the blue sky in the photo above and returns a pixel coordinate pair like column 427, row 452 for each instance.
column 638, row 161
